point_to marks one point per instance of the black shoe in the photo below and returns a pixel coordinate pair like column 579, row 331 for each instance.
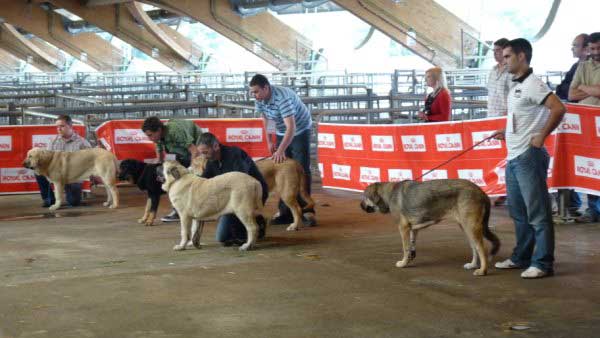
column 172, row 217
column 233, row 242
column 281, row 220
column 309, row 220
column 262, row 227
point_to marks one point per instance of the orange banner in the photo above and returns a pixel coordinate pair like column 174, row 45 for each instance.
column 15, row 142
column 351, row 157
column 126, row 139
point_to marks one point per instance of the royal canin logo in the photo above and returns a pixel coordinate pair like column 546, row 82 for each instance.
column 16, row 175
column 587, row 167
column 571, row 124
column 382, row 143
column 370, row 175
column 413, row 143
column 326, row 140
column 128, row 136
column 41, row 141
column 448, row 142
column 477, row 136
column 473, row 175
column 352, row 142
column 435, row 175
column 6, row 143
column 399, row 175
column 341, row 172
column 244, row 135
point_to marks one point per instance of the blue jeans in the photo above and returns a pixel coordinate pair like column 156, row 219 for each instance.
column 299, row 150
column 529, row 206
column 593, row 208
column 229, row 227
column 72, row 191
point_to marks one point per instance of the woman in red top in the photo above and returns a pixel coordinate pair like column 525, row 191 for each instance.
column 438, row 104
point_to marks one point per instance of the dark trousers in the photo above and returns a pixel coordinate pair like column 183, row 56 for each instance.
column 299, row 150
column 72, row 191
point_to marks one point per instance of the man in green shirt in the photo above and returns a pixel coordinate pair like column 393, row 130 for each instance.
column 175, row 140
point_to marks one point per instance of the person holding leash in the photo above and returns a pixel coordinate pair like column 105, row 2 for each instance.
column 534, row 111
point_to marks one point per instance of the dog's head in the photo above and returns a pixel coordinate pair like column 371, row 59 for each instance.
column 372, row 200
column 37, row 159
column 171, row 172
column 130, row 170
column 199, row 165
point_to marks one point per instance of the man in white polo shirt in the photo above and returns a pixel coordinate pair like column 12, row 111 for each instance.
column 533, row 113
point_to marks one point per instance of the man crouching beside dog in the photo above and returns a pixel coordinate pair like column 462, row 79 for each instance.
column 416, row 205
column 223, row 159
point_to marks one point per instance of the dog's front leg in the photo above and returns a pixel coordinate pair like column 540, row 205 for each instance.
column 146, row 210
column 413, row 244
column 58, row 193
column 155, row 199
column 186, row 222
column 405, row 234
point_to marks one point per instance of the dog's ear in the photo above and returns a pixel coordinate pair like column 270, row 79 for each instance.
column 174, row 171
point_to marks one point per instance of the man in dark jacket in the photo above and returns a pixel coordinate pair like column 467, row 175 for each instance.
column 580, row 51
column 223, row 159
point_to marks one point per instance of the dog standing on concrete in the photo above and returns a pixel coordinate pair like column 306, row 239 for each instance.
column 417, row 205
column 286, row 178
column 197, row 199
column 61, row 167
column 145, row 177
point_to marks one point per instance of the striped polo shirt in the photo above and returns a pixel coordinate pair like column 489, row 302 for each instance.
column 527, row 114
column 499, row 83
column 285, row 102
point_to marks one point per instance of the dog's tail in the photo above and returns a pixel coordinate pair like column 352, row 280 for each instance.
column 487, row 233
column 310, row 204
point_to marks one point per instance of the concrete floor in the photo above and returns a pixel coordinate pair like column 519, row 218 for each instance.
column 94, row 272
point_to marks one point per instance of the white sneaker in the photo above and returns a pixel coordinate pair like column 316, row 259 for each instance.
column 506, row 264
column 533, row 272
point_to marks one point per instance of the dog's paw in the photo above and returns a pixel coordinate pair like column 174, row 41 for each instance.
column 179, row 247
column 149, row 223
column 54, row 207
column 292, row 227
column 112, row 206
column 105, row 204
column 479, row 272
column 413, row 254
column 191, row 244
column 470, row 266
column 245, row 247
column 402, row 263
column 141, row 220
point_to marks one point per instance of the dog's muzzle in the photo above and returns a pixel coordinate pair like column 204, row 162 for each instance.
column 368, row 208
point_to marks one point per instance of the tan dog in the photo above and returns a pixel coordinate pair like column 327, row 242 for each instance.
column 197, row 198
column 286, row 178
column 69, row 167
column 415, row 205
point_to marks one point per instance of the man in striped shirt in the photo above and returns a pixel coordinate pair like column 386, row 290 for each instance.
column 293, row 124
column 533, row 113
column 499, row 82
